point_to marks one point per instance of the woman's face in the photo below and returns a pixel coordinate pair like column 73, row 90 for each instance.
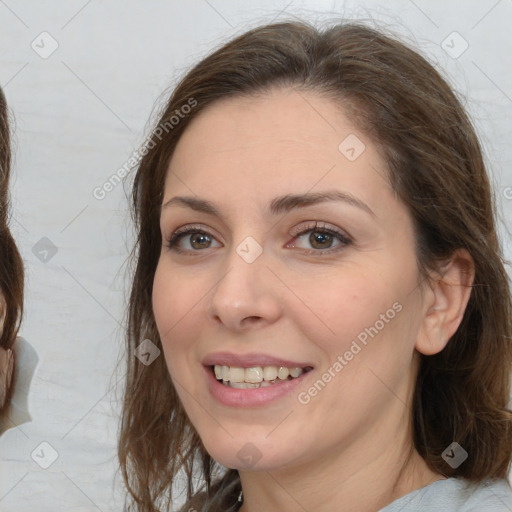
column 301, row 256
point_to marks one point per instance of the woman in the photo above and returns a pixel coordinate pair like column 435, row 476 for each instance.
column 317, row 261
column 11, row 277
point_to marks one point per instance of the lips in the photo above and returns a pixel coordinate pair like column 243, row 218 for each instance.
column 251, row 360
column 251, row 395
column 240, row 388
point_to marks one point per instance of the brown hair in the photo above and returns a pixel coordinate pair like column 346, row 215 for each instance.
column 436, row 168
column 11, row 266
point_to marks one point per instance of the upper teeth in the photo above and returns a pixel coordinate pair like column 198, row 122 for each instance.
column 255, row 374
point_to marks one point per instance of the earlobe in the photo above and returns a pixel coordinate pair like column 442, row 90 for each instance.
column 446, row 301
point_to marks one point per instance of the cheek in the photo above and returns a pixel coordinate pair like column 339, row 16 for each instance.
column 175, row 304
column 365, row 314
column 340, row 305
column 164, row 300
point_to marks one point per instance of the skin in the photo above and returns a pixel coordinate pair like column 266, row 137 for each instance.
column 299, row 301
column 6, row 370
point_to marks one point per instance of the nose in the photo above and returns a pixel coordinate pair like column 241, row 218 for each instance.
column 246, row 297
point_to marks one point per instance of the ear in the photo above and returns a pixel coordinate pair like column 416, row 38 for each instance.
column 445, row 300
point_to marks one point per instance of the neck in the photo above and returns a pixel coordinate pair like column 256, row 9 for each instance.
column 363, row 478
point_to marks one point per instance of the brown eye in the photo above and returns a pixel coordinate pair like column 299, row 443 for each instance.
column 200, row 240
column 320, row 240
column 191, row 240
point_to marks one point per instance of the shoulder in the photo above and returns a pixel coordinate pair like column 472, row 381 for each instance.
column 25, row 363
column 457, row 495
column 496, row 495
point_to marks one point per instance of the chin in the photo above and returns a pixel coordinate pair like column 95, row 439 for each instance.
column 250, row 453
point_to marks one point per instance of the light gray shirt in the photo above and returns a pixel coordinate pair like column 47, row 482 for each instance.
column 456, row 495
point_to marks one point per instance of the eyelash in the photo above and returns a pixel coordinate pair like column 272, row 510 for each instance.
column 315, row 227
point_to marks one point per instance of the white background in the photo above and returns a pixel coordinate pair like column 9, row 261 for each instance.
column 79, row 115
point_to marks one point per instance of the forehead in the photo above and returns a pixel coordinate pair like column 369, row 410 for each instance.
column 282, row 118
column 278, row 141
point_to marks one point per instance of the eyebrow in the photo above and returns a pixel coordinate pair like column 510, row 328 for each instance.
column 278, row 205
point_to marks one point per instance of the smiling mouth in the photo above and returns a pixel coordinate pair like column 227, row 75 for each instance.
column 255, row 376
